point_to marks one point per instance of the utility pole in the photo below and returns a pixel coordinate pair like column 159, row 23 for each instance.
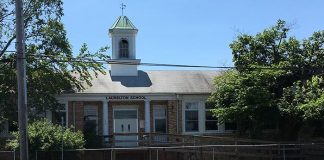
column 62, row 147
column 21, row 79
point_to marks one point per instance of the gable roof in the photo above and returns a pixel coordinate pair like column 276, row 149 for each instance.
column 123, row 22
column 180, row 82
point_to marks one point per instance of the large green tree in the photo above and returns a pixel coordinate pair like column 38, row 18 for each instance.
column 273, row 72
column 51, row 63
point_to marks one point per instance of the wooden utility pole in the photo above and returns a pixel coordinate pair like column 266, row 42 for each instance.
column 21, row 79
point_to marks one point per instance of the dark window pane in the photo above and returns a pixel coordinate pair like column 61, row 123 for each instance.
column 57, row 118
column 209, row 116
column 191, row 115
column 230, row 126
column 211, row 125
column 209, row 105
column 160, row 125
column 12, row 127
column 191, row 126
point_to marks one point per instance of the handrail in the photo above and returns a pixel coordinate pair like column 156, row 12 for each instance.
column 155, row 139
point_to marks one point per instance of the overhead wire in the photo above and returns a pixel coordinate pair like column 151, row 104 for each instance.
column 55, row 59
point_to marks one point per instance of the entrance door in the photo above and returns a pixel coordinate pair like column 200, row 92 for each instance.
column 125, row 121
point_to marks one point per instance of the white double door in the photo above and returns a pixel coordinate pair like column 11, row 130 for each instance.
column 126, row 122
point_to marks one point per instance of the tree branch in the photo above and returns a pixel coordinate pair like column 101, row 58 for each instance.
column 7, row 45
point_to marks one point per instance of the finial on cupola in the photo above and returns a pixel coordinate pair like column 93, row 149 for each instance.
column 122, row 7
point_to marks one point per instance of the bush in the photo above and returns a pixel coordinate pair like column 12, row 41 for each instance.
column 44, row 135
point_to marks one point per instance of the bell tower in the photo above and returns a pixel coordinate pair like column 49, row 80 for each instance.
column 123, row 35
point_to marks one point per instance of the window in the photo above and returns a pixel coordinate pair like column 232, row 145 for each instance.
column 58, row 115
column 125, row 114
column 123, row 49
column 191, row 117
column 230, row 126
column 91, row 118
column 211, row 122
column 159, row 119
column 4, row 128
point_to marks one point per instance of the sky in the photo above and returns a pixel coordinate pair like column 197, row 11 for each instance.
column 191, row 32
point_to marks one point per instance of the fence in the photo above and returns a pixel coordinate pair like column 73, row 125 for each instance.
column 158, row 139
column 153, row 146
column 9, row 155
column 204, row 152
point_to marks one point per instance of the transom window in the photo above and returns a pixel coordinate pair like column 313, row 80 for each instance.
column 125, row 114
column 191, row 117
column 123, row 49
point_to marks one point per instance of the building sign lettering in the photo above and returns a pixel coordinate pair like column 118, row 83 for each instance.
column 126, row 97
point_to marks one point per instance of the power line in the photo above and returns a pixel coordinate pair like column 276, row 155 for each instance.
column 54, row 59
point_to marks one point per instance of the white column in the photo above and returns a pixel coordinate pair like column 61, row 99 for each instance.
column 105, row 118
column 147, row 116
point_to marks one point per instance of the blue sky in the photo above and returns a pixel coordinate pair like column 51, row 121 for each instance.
column 193, row 32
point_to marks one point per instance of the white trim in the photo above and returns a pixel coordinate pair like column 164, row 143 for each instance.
column 105, row 118
column 184, row 118
column 147, row 116
column 151, row 96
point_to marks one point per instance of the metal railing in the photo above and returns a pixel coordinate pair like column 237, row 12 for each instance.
column 203, row 152
column 9, row 155
column 158, row 139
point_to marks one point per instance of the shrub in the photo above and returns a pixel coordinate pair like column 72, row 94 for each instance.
column 43, row 135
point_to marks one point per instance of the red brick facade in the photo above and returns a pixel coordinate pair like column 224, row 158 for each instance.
column 174, row 126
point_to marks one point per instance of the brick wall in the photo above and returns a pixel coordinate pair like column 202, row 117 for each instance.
column 171, row 109
column 172, row 117
column 75, row 112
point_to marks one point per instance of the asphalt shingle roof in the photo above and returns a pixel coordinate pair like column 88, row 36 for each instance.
column 185, row 82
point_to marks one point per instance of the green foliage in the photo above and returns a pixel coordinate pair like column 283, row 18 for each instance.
column 305, row 101
column 51, row 65
column 44, row 135
column 246, row 98
column 289, row 93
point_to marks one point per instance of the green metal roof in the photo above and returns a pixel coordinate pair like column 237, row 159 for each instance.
column 123, row 23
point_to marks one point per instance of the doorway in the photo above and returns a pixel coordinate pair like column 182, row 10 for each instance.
column 126, row 122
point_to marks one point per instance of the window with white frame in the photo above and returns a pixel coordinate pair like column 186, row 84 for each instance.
column 191, row 117
column 91, row 118
column 59, row 114
column 159, row 115
column 211, row 122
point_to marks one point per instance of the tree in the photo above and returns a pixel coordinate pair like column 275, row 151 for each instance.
column 51, row 65
column 46, row 136
column 246, row 98
column 273, row 71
